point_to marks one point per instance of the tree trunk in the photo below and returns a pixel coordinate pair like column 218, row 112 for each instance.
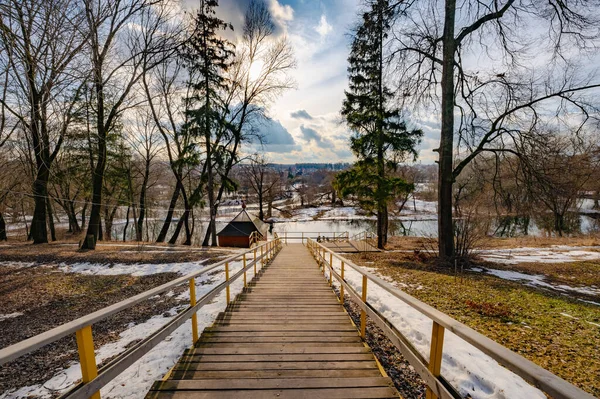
column 83, row 215
column 2, row 228
column 167, row 223
column 98, row 175
column 180, row 223
column 73, row 217
column 140, row 221
column 261, row 214
column 50, row 220
column 39, row 232
column 446, row 179
column 126, row 224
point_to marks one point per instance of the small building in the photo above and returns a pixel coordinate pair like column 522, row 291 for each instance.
column 241, row 229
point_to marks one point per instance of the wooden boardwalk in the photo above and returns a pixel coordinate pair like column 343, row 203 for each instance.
column 286, row 336
column 350, row 246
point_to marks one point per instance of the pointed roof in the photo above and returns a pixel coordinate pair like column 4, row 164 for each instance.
column 243, row 224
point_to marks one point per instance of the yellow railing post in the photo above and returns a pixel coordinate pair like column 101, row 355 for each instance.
column 87, row 358
column 302, row 238
column 245, row 278
column 286, row 237
column 363, row 313
column 330, row 269
column 262, row 257
column 342, row 285
column 435, row 355
column 255, row 261
column 194, row 316
column 227, row 290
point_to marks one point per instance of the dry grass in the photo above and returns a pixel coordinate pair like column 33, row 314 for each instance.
column 420, row 243
column 105, row 253
column 48, row 298
column 524, row 319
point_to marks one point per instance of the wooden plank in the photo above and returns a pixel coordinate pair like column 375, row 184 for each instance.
column 280, row 339
column 273, row 383
column 325, row 393
column 202, row 374
column 357, row 343
column 276, row 349
column 322, row 334
column 314, row 357
column 358, row 365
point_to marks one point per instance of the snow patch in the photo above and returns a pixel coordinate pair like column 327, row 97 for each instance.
column 138, row 378
column 467, row 368
column 560, row 254
column 538, row 280
column 10, row 316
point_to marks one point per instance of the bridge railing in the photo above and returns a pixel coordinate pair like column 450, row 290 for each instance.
column 437, row 386
column 293, row 236
column 94, row 379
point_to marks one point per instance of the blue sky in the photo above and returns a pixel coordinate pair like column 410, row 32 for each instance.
column 306, row 124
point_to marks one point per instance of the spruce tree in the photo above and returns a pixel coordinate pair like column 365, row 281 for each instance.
column 380, row 136
column 207, row 56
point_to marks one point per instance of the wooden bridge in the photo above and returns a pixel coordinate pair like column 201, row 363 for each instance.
column 287, row 335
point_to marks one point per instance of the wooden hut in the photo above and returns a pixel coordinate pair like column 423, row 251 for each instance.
column 237, row 233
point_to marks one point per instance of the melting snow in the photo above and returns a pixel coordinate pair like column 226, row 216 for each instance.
column 537, row 280
column 467, row 368
column 137, row 379
column 10, row 316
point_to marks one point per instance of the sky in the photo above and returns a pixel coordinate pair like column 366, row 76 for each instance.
column 306, row 125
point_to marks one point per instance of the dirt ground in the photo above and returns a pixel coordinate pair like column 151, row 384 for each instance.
column 48, row 298
column 105, row 253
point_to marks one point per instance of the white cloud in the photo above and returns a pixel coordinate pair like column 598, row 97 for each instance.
column 282, row 14
column 323, row 28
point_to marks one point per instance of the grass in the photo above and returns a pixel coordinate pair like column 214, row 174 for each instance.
column 551, row 330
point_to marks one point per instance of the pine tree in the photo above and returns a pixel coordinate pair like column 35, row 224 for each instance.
column 207, row 56
column 380, row 136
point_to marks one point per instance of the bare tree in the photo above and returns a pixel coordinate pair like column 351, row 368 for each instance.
column 527, row 72
column 127, row 39
column 555, row 170
column 165, row 89
column 262, row 179
column 144, row 141
column 42, row 45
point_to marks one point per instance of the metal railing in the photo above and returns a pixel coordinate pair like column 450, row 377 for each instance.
column 94, row 379
column 254, row 238
column 315, row 235
column 437, row 387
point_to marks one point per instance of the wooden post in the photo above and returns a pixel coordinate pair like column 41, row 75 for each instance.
column 227, row 290
column 255, row 261
column 262, row 257
column 245, row 278
column 435, row 355
column 194, row 316
column 363, row 313
column 286, row 237
column 342, row 285
column 330, row 269
column 302, row 238
column 87, row 358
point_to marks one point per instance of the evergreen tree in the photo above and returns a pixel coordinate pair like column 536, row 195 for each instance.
column 380, row 136
column 207, row 56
